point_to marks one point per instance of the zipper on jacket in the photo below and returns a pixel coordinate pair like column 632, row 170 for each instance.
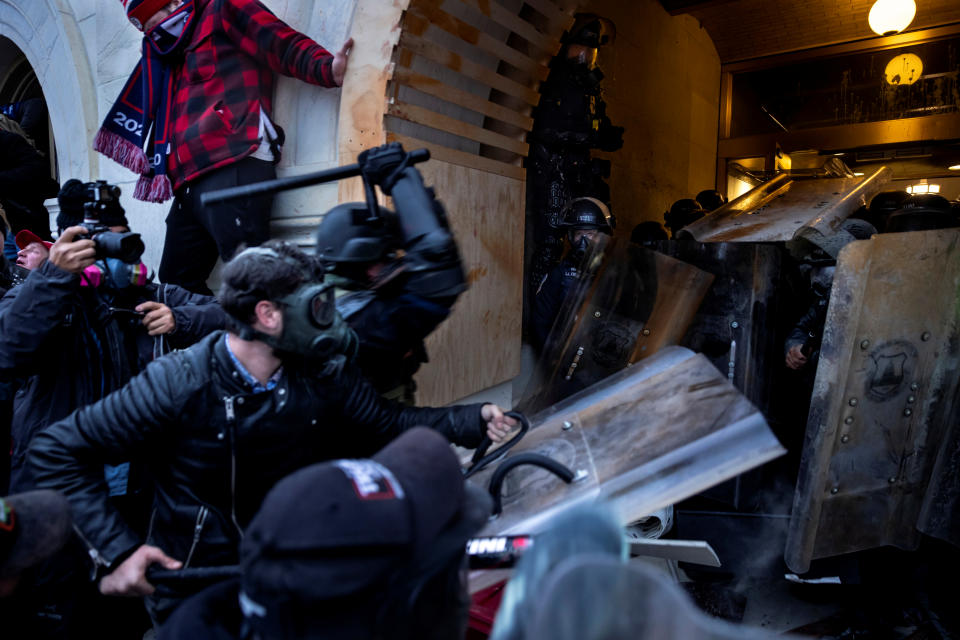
column 197, row 529
column 95, row 556
column 232, row 426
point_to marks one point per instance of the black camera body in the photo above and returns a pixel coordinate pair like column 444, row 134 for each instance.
column 99, row 197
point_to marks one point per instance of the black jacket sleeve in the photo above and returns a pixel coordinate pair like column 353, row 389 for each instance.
column 384, row 419
column 68, row 456
column 196, row 315
column 29, row 312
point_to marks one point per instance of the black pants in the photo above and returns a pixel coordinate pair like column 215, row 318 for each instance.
column 197, row 235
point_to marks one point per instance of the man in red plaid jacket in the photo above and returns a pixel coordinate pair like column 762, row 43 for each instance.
column 225, row 56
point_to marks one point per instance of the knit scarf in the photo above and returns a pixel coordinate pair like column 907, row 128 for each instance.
column 146, row 101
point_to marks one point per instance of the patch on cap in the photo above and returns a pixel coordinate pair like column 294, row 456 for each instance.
column 371, row 480
column 136, row 23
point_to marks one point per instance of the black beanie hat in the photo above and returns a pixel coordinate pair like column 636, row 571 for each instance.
column 73, row 195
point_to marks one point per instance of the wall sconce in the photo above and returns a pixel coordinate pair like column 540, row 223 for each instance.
column 888, row 17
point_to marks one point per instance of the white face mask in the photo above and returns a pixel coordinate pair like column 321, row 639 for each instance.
column 175, row 24
column 166, row 35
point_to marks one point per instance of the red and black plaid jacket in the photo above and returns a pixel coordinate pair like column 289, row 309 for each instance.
column 227, row 75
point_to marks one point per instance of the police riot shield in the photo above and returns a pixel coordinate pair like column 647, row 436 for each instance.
column 649, row 436
column 788, row 208
column 630, row 303
column 880, row 459
column 734, row 325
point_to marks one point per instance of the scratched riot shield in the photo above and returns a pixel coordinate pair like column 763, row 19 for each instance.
column 734, row 325
column 880, row 460
column 649, row 436
column 789, row 208
column 632, row 303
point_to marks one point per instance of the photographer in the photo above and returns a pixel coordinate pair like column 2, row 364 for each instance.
column 81, row 325
column 221, row 422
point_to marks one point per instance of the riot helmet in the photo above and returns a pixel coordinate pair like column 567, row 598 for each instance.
column 681, row 213
column 588, row 33
column 921, row 212
column 348, row 240
column 585, row 214
column 648, row 234
column 882, row 205
column 710, row 199
column 280, row 273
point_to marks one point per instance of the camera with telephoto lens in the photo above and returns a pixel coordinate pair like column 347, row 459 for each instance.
column 100, row 197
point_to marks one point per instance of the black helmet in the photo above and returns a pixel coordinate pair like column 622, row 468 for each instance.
column 590, row 30
column 683, row 212
column 711, row 199
column 347, row 237
column 588, row 213
column 648, row 233
column 882, row 205
column 922, row 211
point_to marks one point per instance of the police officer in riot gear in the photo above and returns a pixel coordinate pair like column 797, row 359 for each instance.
column 401, row 271
column 583, row 219
column 922, row 212
column 570, row 121
column 682, row 212
column 710, row 199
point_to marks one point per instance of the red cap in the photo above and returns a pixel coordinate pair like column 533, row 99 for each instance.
column 140, row 11
column 26, row 238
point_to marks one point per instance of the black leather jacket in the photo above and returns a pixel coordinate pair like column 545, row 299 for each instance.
column 215, row 448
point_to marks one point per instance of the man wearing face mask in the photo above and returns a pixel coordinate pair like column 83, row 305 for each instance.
column 196, row 116
column 583, row 219
column 221, row 422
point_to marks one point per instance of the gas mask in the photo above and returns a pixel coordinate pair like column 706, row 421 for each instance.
column 578, row 247
column 120, row 274
column 312, row 327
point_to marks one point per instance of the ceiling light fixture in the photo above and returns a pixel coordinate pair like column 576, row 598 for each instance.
column 923, row 187
column 906, row 68
column 888, row 17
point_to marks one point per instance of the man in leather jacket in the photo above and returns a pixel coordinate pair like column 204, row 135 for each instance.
column 221, row 422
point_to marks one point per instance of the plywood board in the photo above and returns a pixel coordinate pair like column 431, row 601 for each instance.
column 375, row 31
column 479, row 344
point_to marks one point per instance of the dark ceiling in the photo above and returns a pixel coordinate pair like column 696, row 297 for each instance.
column 747, row 29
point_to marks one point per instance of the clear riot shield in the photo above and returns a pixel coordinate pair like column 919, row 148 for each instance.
column 631, row 303
column 735, row 324
column 788, row 207
column 882, row 446
column 649, row 436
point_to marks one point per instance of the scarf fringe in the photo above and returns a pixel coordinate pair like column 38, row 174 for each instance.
column 153, row 189
column 122, row 151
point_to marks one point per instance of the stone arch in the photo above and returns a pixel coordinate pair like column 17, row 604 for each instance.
column 47, row 33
